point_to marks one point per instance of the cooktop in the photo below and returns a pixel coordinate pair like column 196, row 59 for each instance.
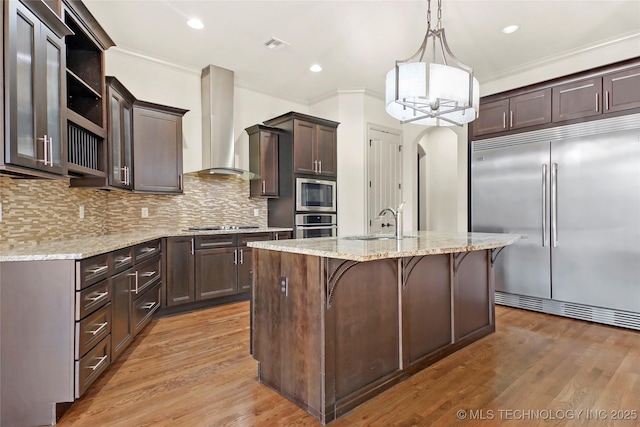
column 223, row 227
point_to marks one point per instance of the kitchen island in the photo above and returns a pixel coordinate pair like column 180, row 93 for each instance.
column 336, row 321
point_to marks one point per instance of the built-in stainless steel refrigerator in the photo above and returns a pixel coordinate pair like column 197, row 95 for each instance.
column 575, row 192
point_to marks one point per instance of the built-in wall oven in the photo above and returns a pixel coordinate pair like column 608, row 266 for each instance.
column 315, row 225
column 315, row 195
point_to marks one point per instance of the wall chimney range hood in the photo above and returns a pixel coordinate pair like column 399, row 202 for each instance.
column 218, row 144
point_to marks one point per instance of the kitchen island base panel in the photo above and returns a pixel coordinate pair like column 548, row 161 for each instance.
column 330, row 334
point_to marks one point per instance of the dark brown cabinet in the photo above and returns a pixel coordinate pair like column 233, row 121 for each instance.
column 245, row 257
column 512, row 113
column 180, row 279
column 119, row 134
column 282, row 235
column 216, row 266
column 210, row 266
column 577, row 100
column 115, row 300
column 35, row 90
column 621, row 90
column 157, row 148
column 314, row 148
column 85, row 92
column 326, row 150
column 144, row 145
column 590, row 95
column 121, row 334
column 314, row 143
column 263, row 160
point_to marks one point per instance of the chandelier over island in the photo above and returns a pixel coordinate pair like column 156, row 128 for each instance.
column 432, row 93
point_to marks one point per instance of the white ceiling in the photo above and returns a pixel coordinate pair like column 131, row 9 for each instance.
column 356, row 42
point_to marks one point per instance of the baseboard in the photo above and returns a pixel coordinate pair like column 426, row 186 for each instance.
column 607, row 316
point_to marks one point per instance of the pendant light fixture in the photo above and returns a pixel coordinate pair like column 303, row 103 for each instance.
column 432, row 93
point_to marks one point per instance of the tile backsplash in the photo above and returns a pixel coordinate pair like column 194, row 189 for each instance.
column 40, row 210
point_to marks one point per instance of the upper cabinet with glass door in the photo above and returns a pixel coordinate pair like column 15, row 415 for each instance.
column 34, row 90
column 119, row 133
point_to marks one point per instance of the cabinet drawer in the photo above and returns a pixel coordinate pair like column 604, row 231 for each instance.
column 282, row 235
column 122, row 259
column 89, row 367
column 253, row 237
column 215, row 241
column 146, row 250
column 148, row 274
column 92, row 298
column 92, row 270
column 92, row 329
column 144, row 307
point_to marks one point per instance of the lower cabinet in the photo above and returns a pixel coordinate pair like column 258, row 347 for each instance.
column 121, row 335
column 143, row 308
column 209, row 266
column 180, row 270
column 129, row 313
column 216, row 259
column 113, row 310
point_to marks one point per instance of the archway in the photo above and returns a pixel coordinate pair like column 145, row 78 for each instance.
column 438, row 177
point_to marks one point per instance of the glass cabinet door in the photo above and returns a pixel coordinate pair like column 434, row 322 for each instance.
column 54, row 89
column 126, row 141
column 119, row 122
column 118, row 177
column 34, row 98
column 24, row 103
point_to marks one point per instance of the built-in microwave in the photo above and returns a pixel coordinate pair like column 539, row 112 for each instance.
column 315, row 225
column 315, row 195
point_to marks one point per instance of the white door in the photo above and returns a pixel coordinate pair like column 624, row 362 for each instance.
column 384, row 178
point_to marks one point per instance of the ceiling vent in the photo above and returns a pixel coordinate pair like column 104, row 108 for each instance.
column 275, row 44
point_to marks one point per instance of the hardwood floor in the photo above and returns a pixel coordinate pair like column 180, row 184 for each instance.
column 194, row 369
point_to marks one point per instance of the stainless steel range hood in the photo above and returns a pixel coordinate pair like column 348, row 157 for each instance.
column 218, row 144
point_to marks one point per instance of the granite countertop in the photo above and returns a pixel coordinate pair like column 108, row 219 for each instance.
column 419, row 244
column 87, row 247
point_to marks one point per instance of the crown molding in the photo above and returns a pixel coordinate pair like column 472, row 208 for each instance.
column 509, row 72
column 123, row 51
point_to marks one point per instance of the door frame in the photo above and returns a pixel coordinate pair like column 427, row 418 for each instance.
column 385, row 129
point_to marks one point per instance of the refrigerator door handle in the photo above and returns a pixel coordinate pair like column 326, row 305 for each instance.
column 554, row 204
column 544, row 205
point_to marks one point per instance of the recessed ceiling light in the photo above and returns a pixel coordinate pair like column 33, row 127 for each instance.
column 510, row 29
column 315, row 68
column 195, row 23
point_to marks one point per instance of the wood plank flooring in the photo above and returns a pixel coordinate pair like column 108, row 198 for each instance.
column 194, row 369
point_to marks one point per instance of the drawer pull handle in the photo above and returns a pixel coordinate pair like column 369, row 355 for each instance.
column 97, row 297
column 148, row 306
column 147, row 250
column 100, row 362
column 204, row 245
column 135, row 273
column 148, row 273
column 98, row 329
column 97, row 269
column 123, row 260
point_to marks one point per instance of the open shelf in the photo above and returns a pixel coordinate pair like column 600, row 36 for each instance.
column 85, row 83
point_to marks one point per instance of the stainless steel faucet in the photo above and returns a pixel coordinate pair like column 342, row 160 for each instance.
column 397, row 218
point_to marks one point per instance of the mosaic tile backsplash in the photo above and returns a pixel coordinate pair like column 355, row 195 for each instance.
column 39, row 210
